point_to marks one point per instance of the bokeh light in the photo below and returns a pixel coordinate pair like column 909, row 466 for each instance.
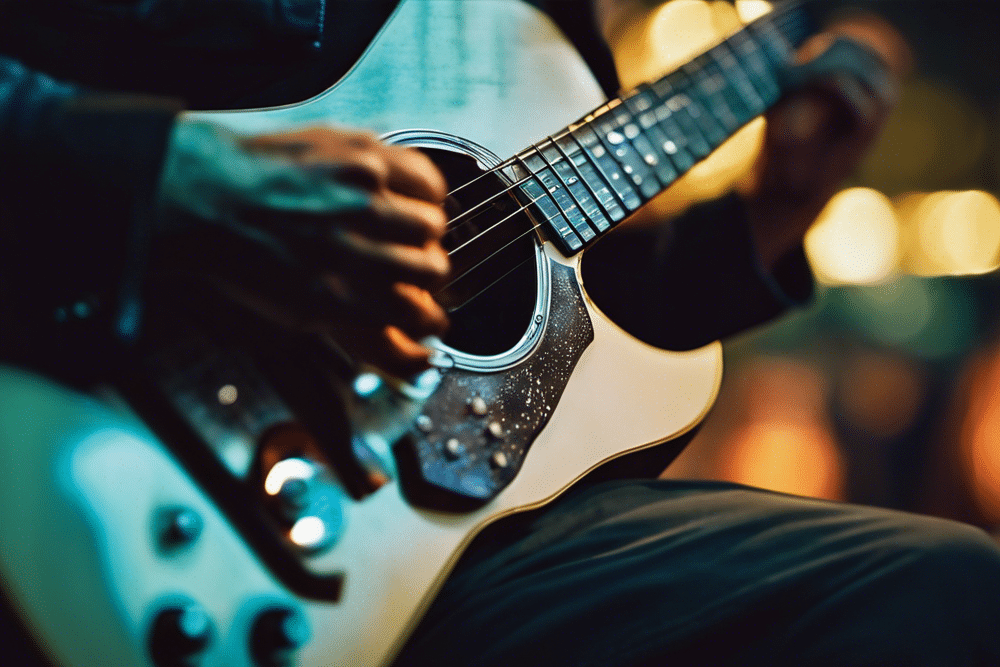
column 750, row 10
column 772, row 431
column 980, row 436
column 950, row 233
column 856, row 239
column 786, row 456
column 881, row 392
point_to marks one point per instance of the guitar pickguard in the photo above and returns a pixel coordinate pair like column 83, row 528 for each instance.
column 475, row 431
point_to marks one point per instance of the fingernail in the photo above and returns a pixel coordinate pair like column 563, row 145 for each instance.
column 444, row 263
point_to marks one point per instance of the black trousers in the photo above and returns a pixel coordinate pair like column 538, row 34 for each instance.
column 704, row 573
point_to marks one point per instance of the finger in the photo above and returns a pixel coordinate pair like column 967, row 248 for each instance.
column 413, row 174
column 427, row 266
column 858, row 61
column 351, row 158
column 813, row 144
column 400, row 219
column 386, row 348
column 419, row 315
column 409, row 308
column 359, row 159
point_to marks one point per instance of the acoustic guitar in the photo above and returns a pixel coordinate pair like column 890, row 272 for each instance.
column 248, row 500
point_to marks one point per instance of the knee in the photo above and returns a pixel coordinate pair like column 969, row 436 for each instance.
column 951, row 552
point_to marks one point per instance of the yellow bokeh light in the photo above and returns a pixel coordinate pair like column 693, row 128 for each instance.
column 751, row 10
column 856, row 239
column 664, row 39
column 725, row 18
column 951, row 233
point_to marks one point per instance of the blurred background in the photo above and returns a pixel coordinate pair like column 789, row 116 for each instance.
column 887, row 390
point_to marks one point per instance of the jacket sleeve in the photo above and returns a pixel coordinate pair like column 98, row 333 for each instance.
column 694, row 279
column 214, row 54
column 78, row 173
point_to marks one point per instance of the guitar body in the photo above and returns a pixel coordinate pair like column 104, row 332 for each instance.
column 85, row 486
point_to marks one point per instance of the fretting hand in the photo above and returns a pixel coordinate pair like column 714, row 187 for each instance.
column 321, row 230
column 818, row 134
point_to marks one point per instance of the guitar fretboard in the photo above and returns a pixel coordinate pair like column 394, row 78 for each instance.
column 593, row 174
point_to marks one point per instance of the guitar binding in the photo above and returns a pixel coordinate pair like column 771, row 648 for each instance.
column 499, row 308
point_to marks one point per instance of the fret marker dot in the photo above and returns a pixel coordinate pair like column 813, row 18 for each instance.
column 637, row 179
column 670, row 147
column 599, row 151
column 615, row 138
column 621, row 152
column 631, row 130
column 614, row 177
column 627, row 169
column 651, row 159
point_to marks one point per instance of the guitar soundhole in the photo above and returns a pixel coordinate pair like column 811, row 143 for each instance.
column 492, row 291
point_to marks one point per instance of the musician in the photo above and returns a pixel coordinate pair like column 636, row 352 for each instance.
column 344, row 234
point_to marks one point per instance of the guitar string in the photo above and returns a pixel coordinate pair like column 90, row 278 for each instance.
column 510, row 162
column 599, row 111
column 782, row 15
column 513, row 187
column 501, row 248
column 523, row 207
column 497, row 251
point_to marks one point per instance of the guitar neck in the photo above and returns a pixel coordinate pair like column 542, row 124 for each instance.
column 595, row 172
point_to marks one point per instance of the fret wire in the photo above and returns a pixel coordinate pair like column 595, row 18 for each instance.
column 795, row 24
column 641, row 145
column 619, row 180
column 704, row 124
column 594, row 160
column 608, row 138
column 742, row 106
column 708, row 93
column 558, row 195
column 712, row 129
column 664, row 123
column 590, row 228
column 583, row 179
column 772, row 43
column 758, row 69
column 598, row 168
column 550, row 169
column 729, row 63
column 678, row 104
column 546, row 197
column 642, row 170
column 662, row 165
